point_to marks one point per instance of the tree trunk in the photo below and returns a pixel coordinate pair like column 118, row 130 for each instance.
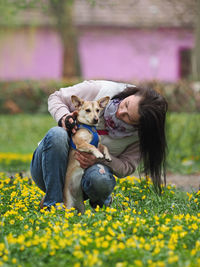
column 63, row 12
column 196, row 52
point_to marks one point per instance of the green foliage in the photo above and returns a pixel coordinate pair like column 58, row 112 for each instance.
column 28, row 96
column 182, row 96
column 31, row 96
column 9, row 10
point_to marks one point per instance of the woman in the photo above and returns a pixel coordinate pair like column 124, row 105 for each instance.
column 132, row 127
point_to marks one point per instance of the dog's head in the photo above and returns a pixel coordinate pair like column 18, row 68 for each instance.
column 89, row 111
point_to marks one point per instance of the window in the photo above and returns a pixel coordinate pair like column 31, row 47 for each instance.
column 185, row 63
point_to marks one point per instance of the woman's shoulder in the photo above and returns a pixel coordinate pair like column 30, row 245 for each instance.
column 110, row 88
column 111, row 83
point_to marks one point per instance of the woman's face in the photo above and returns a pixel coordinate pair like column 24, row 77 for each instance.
column 128, row 109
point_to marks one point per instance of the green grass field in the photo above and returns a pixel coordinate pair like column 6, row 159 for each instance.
column 19, row 137
column 140, row 229
column 21, row 133
column 183, row 136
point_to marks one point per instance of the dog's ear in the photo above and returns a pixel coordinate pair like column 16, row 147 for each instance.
column 103, row 101
column 77, row 101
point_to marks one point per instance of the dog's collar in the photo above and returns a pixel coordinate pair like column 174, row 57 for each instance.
column 92, row 130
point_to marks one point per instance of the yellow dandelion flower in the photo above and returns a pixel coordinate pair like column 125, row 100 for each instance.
column 105, row 244
column 138, row 263
column 147, row 246
column 121, row 245
column 109, row 217
column 14, row 260
column 173, row 259
column 194, row 226
column 193, row 252
column 189, row 196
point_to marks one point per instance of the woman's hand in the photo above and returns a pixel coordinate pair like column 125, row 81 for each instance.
column 70, row 121
column 85, row 159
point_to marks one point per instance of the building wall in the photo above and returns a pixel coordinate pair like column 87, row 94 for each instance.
column 105, row 53
column 133, row 54
column 30, row 53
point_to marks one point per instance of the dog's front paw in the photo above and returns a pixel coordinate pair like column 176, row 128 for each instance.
column 98, row 155
column 108, row 158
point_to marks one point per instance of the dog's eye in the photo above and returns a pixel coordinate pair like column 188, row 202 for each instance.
column 97, row 110
column 88, row 110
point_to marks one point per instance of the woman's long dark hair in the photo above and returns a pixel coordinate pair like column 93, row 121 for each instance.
column 151, row 131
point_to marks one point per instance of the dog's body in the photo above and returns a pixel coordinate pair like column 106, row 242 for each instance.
column 88, row 113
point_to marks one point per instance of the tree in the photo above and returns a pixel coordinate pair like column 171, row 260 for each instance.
column 62, row 12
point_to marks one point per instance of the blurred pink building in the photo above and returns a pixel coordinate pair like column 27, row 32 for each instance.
column 118, row 40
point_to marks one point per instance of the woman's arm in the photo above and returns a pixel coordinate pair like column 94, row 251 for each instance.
column 126, row 163
column 59, row 103
column 123, row 165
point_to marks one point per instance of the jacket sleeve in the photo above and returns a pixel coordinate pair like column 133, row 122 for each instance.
column 126, row 163
column 59, row 103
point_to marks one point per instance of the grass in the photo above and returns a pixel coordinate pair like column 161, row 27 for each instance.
column 19, row 137
column 20, row 134
column 140, row 229
column 183, row 136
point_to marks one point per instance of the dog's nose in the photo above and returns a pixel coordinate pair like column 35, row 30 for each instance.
column 95, row 121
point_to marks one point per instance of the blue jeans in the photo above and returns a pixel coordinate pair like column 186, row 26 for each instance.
column 48, row 169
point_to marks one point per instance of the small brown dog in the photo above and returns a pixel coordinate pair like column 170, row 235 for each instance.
column 88, row 114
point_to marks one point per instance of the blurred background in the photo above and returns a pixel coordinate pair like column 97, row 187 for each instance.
column 48, row 44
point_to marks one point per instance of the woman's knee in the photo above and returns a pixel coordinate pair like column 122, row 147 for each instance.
column 57, row 137
column 98, row 182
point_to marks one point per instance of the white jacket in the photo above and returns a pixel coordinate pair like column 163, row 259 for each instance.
column 124, row 151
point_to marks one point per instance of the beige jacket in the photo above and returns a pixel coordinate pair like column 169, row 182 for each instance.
column 124, row 151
